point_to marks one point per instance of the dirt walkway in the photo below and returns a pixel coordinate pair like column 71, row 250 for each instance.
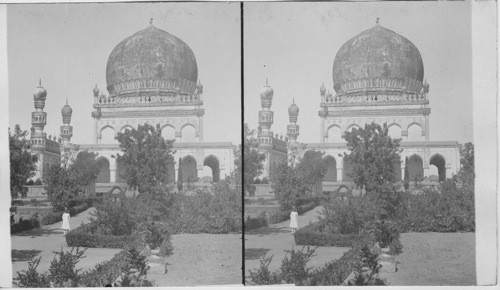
column 275, row 239
column 47, row 239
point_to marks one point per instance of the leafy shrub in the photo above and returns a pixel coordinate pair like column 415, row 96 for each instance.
column 294, row 266
column 51, row 218
column 451, row 210
column 112, row 217
column 255, row 223
column 63, row 267
column 385, row 233
column 366, row 271
column 24, row 225
column 206, row 212
column 262, row 276
column 86, row 236
column 105, row 273
column 352, row 215
column 166, row 248
column 154, row 237
column 30, row 278
column 316, row 235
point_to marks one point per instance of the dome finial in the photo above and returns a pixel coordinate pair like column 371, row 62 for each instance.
column 267, row 82
column 151, row 21
column 66, row 101
column 40, row 82
column 377, row 20
column 294, row 101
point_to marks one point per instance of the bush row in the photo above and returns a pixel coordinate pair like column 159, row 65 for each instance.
column 315, row 235
column 24, row 225
column 285, row 215
column 255, row 223
column 83, row 236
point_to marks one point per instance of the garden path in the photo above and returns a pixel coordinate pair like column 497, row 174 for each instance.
column 276, row 238
column 47, row 239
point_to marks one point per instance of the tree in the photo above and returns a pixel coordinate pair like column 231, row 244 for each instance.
column 252, row 161
column 291, row 181
column 146, row 158
column 311, row 169
column 84, row 170
column 179, row 176
column 466, row 174
column 60, row 187
column 374, row 156
column 407, row 175
column 22, row 162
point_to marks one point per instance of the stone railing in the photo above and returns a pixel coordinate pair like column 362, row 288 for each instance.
column 383, row 98
column 169, row 98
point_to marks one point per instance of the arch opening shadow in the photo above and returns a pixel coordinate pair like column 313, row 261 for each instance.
column 331, row 169
column 415, row 168
column 440, row 163
column 104, row 174
column 189, row 169
column 213, row 163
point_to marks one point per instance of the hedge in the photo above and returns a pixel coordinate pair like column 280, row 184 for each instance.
column 313, row 235
column 24, row 225
column 255, row 223
column 285, row 215
column 83, row 237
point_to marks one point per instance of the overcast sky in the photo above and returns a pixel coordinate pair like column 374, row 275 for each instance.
column 67, row 45
column 294, row 45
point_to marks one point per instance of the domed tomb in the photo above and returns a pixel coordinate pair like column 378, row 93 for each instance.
column 151, row 59
column 378, row 59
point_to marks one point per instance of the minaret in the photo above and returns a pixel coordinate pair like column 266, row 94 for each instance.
column 265, row 135
column 66, row 129
column 293, row 128
column 38, row 119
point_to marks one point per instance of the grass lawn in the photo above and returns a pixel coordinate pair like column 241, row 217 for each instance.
column 435, row 259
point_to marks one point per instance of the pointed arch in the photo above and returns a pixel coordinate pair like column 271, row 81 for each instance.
column 188, row 133
column 439, row 161
column 334, row 133
column 189, row 168
column 214, row 164
column 414, row 132
column 394, row 131
column 104, row 170
column 331, row 168
column 415, row 167
column 108, row 135
column 168, row 132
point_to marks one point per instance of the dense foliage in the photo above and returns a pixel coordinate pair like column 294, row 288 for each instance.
column 293, row 181
column 374, row 156
column 146, row 157
column 316, row 234
column 128, row 268
column 252, row 165
column 25, row 224
column 22, row 162
column 65, row 184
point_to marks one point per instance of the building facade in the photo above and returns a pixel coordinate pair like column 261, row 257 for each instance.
column 378, row 76
column 152, row 78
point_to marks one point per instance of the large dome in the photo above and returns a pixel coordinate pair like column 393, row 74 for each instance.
column 151, row 58
column 378, row 53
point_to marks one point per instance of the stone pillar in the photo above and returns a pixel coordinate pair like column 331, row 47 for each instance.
column 200, row 129
column 178, row 136
column 322, row 133
column 112, row 170
column 95, row 131
column 339, row 173
column 404, row 135
column 427, row 133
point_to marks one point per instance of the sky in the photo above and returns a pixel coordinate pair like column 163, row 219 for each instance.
column 294, row 45
column 67, row 46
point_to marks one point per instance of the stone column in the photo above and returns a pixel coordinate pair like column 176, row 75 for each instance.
column 339, row 173
column 200, row 129
column 178, row 136
column 427, row 133
column 112, row 170
column 322, row 133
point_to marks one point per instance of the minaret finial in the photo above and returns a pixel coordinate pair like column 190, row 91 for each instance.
column 66, row 101
column 294, row 101
column 150, row 21
column 267, row 82
column 40, row 82
column 377, row 20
